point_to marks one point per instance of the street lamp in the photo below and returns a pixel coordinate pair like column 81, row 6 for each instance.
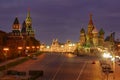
column 19, row 48
column 5, row 55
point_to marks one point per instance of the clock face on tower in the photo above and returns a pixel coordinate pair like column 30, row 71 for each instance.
column 16, row 27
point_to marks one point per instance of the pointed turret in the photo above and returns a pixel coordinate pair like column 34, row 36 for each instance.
column 90, row 21
column 28, row 19
column 28, row 22
column 90, row 25
column 28, row 14
column 16, row 21
column 23, row 30
column 82, row 36
column 16, row 27
column 82, row 30
column 90, row 29
column 101, row 32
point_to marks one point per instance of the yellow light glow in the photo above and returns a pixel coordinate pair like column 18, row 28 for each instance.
column 70, row 55
column 62, row 46
column 48, row 47
column 37, row 47
column 70, row 44
column 19, row 48
column 5, row 49
column 113, row 59
column 119, row 45
column 33, row 47
column 27, row 47
column 106, row 55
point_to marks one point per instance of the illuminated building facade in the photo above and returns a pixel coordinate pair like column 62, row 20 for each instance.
column 92, row 37
column 56, row 46
column 22, row 36
column 24, row 31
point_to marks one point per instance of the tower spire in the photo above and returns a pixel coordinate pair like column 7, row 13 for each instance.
column 28, row 19
column 16, row 27
column 28, row 14
column 28, row 22
column 90, row 21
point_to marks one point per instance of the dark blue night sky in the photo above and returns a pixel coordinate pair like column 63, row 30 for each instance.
column 61, row 19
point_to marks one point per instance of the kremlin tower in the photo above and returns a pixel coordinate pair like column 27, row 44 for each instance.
column 25, row 31
column 16, row 28
column 28, row 23
column 22, row 36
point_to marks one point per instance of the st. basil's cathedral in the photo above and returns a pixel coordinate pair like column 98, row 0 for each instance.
column 91, row 37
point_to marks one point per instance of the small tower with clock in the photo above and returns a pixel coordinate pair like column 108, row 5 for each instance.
column 16, row 28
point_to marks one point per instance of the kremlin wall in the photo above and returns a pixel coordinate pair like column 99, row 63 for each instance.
column 20, row 41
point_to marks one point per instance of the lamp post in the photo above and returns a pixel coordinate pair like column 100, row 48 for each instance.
column 19, row 50
column 5, row 55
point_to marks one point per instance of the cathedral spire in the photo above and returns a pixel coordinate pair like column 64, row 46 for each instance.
column 90, row 21
column 90, row 24
column 28, row 14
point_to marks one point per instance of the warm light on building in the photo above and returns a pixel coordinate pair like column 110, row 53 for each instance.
column 48, row 47
column 33, row 47
column 5, row 49
column 20, row 48
column 27, row 47
column 106, row 55
column 118, row 45
column 62, row 46
column 37, row 47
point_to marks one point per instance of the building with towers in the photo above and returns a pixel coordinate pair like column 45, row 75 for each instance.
column 26, row 30
column 22, row 36
column 16, row 31
column 27, row 26
column 91, row 38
